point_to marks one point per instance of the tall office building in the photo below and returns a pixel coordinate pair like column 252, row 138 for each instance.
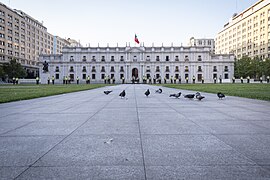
column 247, row 33
column 24, row 38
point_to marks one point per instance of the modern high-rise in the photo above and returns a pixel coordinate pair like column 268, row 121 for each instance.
column 24, row 38
column 247, row 33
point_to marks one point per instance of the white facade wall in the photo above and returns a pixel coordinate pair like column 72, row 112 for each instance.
column 144, row 59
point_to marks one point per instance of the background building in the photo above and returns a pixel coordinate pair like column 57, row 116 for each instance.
column 204, row 42
column 137, row 62
column 24, row 38
column 248, row 33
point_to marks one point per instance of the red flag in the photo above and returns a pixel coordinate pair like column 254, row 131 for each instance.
column 136, row 39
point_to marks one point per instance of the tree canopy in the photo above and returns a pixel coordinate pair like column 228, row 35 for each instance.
column 254, row 68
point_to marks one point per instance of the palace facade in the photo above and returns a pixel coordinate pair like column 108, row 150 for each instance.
column 137, row 62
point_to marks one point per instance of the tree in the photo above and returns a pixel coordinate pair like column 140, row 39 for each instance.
column 254, row 68
column 14, row 69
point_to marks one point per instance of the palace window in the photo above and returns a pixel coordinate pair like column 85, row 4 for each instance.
column 157, row 69
column 112, row 69
column 93, row 76
column 102, row 69
column 199, row 58
column 226, row 69
column 71, row 69
column 57, row 69
column 176, row 68
column 215, row 68
column 84, row 69
column 122, row 58
column 121, row 69
column 93, row 58
column 103, row 58
column 199, row 69
column 186, row 68
column 167, row 58
column 71, row 59
column 157, row 58
column 176, row 58
column 93, row 69
column 167, row 69
column 84, row 59
column 186, row 58
column 112, row 58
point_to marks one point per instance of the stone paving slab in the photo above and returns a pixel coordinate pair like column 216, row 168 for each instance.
column 90, row 135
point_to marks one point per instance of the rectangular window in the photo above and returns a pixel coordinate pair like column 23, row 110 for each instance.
column 93, row 76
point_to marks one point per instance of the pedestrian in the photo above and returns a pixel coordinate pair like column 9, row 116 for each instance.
column 241, row 79
column 53, row 80
column 215, row 80
column 261, row 79
column 77, row 79
column 123, row 80
column 202, row 80
column 186, row 80
column 248, row 79
column 37, row 80
column 193, row 79
column 220, row 79
column 13, row 80
column 17, row 80
column 233, row 79
column 171, row 79
column 268, row 79
column 48, row 80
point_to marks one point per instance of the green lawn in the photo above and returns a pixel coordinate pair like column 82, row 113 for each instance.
column 254, row 91
column 10, row 93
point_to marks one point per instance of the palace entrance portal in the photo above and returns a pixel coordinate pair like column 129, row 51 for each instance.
column 135, row 73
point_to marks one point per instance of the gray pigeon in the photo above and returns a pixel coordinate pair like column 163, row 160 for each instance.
column 199, row 96
column 107, row 92
column 147, row 93
column 220, row 95
column 176, row 95
column 122, row 94
column 159, row 91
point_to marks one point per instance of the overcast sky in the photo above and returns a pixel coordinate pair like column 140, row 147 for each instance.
column 117, row 21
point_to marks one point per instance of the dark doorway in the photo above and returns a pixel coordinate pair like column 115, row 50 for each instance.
column 135, row 72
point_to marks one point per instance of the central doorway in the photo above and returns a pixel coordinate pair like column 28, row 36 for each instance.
column 135, row 73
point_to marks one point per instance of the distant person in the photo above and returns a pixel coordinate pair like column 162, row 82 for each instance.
column 77, row 79
column 242, row 80
column 13, row 80
column 268, row 79
column 233, row 79
column 248, row 79
column 53, row 80
column 193, row 79
column 37, row 80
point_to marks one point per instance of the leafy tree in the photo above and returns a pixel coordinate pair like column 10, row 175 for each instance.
column 14, row 69
column 254, row 68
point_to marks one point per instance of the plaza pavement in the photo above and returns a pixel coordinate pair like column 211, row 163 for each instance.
column 88, row 135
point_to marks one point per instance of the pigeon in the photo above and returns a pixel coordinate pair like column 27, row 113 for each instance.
column 109, row 141
column 220, row 95
column 190, row 96
column 122, row 94
column 147, row 93
column 176, row 95
column 107, row 92
column 159, row 91
column 199, row 96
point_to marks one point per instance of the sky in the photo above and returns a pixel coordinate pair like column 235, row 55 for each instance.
column 117, row 21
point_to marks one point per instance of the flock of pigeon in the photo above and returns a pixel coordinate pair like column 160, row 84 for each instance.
column 197, row 95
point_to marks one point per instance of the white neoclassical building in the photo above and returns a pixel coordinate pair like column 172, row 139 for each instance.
column 138, row 62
